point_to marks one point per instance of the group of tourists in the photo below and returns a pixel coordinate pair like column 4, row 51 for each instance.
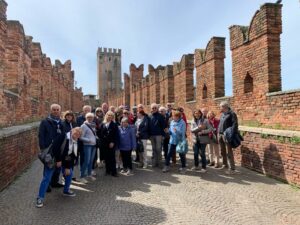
column 108, row 136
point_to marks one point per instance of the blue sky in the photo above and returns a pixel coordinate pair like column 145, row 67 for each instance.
column 148, row 31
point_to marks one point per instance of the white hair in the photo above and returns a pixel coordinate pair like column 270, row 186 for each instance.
column 162, row 109
column 87, row 107
column 154, row 105
column 225, row 104
column 89, row 115
column 55, row 106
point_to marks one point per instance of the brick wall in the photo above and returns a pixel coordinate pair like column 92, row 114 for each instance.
column 18, row 148
column 257, row 97
column 29, row 82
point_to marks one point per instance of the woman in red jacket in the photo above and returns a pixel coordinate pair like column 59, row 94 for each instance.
column 213, row 146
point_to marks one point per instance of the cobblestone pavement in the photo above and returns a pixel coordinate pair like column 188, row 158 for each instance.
column 152, row 197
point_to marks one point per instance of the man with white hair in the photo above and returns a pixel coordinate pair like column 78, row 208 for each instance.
column 104, row 107
column 157, row 126
column 228, row 120
column 50, row 128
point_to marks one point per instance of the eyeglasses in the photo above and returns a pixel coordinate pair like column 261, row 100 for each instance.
column 56, row 110
column 154, row 108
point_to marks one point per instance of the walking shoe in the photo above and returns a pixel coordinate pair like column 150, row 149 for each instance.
column 224, row 167
column 92, row 178
column 182, row 170
column 83, row 180
column 145, row 166
column 129, row 172
column 39, row 203
column 94, row 173
column 211, row 164
column 69, row 194
column 203, row 170
column 166, row 169
column 194, row 168
column 123, row 171
column 217, row 166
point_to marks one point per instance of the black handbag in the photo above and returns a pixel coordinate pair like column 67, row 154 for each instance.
column 140, row 146
column 46, row 156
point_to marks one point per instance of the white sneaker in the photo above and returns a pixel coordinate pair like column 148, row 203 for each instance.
column 129, row 172
column 182, row 170
column 195, row 168
column 94, row 173
column 203, row 171
column 166, row 169
column 92, row 178
column 83, row 180
column 145, row 166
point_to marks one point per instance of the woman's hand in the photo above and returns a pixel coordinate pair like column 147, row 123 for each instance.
column 58, row 164
column 111, row 145
column 67, row 172
column 174, row 130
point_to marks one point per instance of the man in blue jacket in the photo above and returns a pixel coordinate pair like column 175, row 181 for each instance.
column 50, row 128
column 157, row 126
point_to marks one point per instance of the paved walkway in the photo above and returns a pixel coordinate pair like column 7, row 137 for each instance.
column 152, row 197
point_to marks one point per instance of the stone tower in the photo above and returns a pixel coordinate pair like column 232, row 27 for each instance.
column 108, row 72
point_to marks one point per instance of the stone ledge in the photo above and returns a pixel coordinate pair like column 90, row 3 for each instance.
column 282, row 92
column 11, row 93
column 222, row 98
column 283, row 133
column 191, row 102
column 10, row 131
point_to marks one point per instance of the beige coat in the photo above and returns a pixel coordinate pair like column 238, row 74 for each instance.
column 204, row 138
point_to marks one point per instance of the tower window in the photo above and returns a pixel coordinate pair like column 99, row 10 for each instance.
column 248, row 84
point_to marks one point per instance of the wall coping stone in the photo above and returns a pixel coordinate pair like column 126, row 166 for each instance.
column 259, row 130
column 191, row 102
column 223, row 98
column 14, row 130
column 11, row 93
column 283, row 92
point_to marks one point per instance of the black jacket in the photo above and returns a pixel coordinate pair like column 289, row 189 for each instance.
column 144, row 128
column 228, row 119
column 157, row 124
column 48, row 131
column 67, row 126
column 62, row 155
column 108, row 134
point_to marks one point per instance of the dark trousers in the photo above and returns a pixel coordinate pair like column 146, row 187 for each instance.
column 81, row 152
column 200, row 148
column 166, row 146
column 110, row 161
column 95, row 158
column 55, row 177
column 126, row 159
column 171, row 153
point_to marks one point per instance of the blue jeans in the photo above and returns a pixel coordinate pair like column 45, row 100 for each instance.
column 47, row 175
column 171, row 151
column 89, row 155
column 200, row 148
column 68, row 179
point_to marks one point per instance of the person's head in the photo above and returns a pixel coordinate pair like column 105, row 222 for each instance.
column 141, row 114
column 169, row 107
column 124, row 122
column 104, row 107
column 162, row 110
column 86, row 109
column 180, row 109
column 176, row 115
column 211, row 115
column 76, row 133
column 134, row 110
column 112, row 108
column 204, row 111
column 126, row 113
column 89, row 117
column 224, row 106
column 55, row 110
column 140, row 107
column 121, row 107
column 99, row 112
column 109, row 116
column 197, row 114
column 119, row 113
column 69, row 116
column 154, row 108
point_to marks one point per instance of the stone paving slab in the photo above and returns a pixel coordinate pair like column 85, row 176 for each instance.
column 152, row 197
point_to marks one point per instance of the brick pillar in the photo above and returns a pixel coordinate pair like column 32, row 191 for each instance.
column 154, row 84
column 209, row 65
column 3, row 37
column 183, row 79
column 127, row 92
column 256, row 64
column 136, row 75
